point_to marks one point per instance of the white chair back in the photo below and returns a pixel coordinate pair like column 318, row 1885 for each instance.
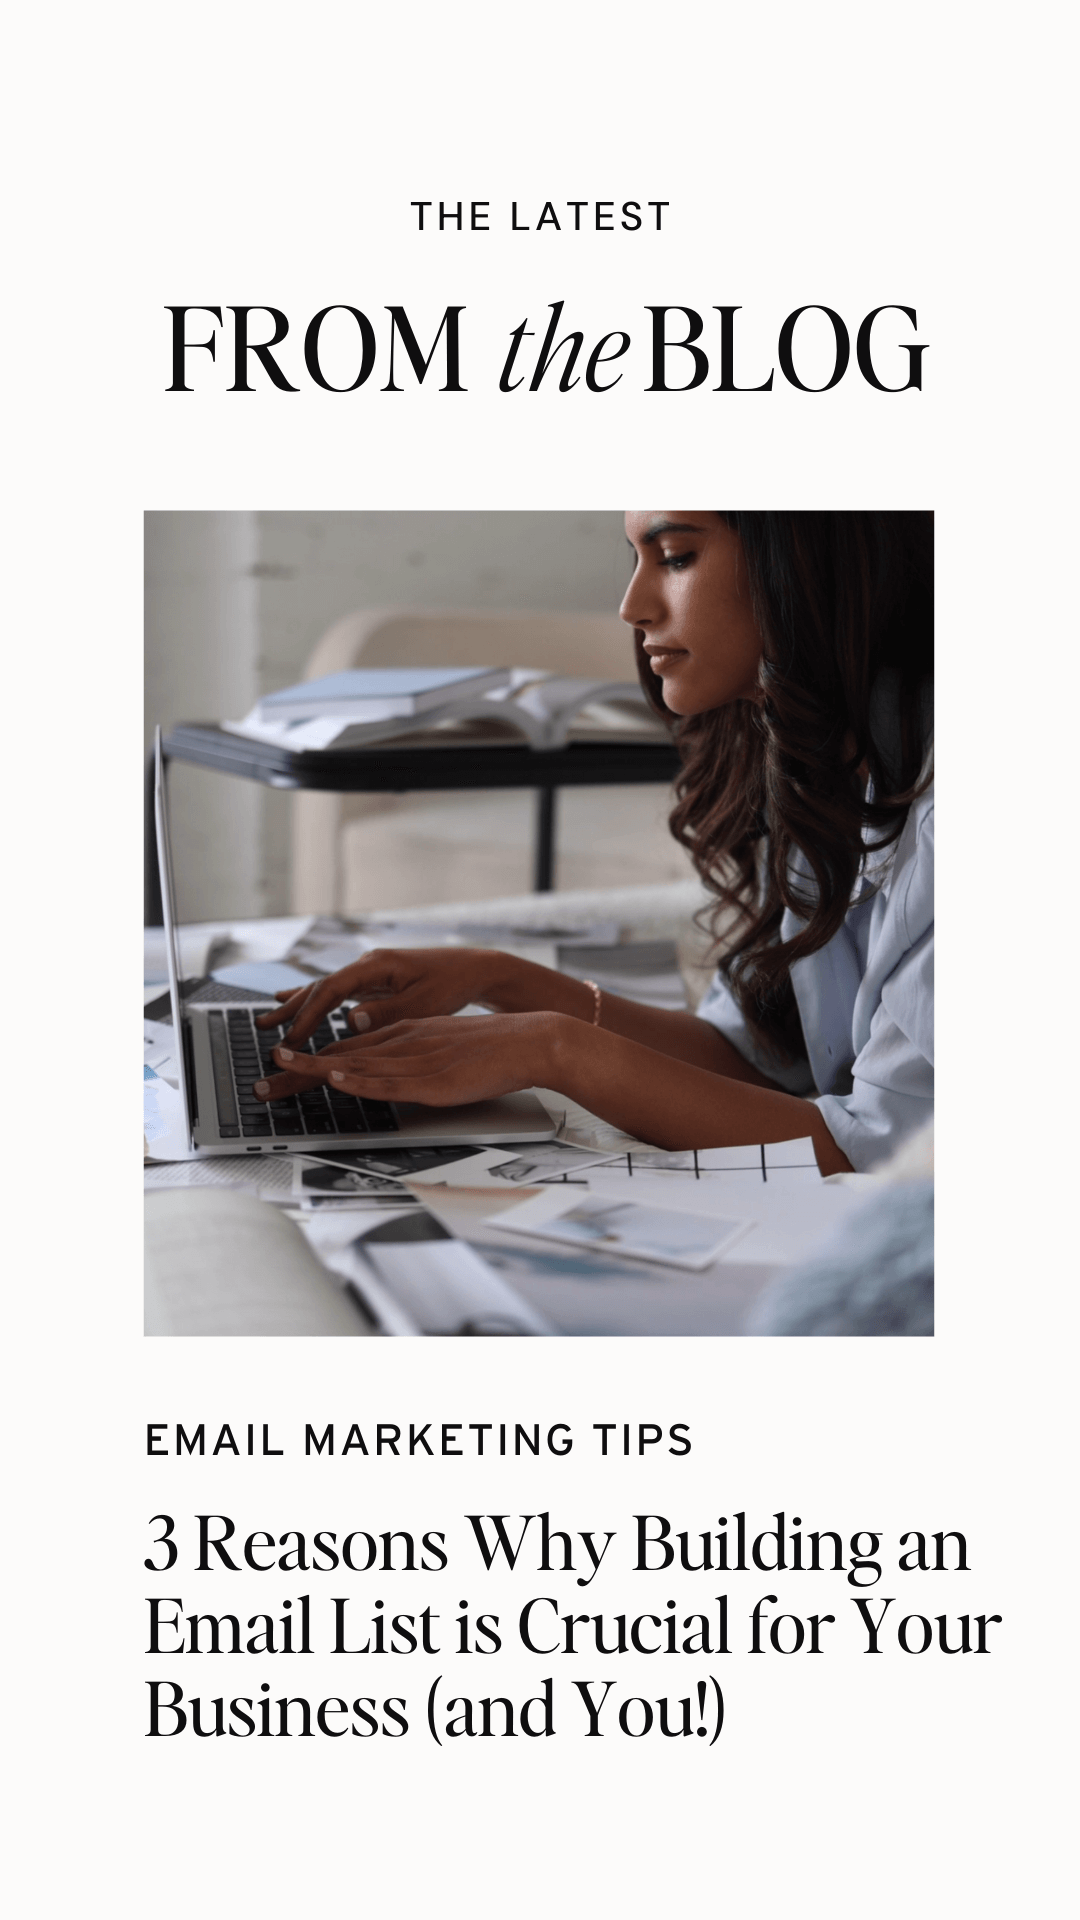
column 593, row 645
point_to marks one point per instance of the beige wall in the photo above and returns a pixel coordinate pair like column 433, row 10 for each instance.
column 201, row 626
column 235, row 602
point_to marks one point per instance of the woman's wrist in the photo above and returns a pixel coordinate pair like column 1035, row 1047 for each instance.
column 514, row 985
column 568, row 1058
column 506, row 984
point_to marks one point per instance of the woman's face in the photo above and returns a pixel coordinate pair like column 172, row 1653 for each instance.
column 690, row 596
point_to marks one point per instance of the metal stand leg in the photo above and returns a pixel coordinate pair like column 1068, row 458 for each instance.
column 153, row 912
column 544, row 862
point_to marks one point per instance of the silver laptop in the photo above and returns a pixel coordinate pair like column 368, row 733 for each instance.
column 221, row 1053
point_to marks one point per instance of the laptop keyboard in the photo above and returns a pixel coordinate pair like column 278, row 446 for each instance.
column 241, row 1054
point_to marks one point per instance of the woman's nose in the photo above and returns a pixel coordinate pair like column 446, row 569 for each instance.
column 635, row 609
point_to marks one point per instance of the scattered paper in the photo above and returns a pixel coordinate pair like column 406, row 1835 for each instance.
column 341, row 1203
column 503, row 1169
column 159, row 1048
column 551, row 1160
column 752, row 1182
column 625, row 1227
column 299, row 736
column 329, row 1234
column 397, row 1163
column 153, row 1120
column 470, row 1171
column 638, row 971
column 448, row 1288
column 327, row 945
column 645, row 971
column 165, row 1133
column 414, row 1278
column 777, row 1157
column 261, row 976
column 467, row 1212
column 316, row 1177
column 194, row 943
column 791, row 1215
column 589, row 1295
column 318, row 1186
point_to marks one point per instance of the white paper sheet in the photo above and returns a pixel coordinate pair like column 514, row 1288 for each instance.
column 261, row 976
column 299, row 736
column 625, row 1226
column 447, row 1287
column 159, row 1045
column 778, row 1157
column 164, row 1127
column 791, row 1215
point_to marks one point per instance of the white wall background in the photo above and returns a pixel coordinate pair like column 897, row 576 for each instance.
column 235, row 603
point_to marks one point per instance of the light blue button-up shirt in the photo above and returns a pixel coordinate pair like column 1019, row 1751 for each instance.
column 866, row 1001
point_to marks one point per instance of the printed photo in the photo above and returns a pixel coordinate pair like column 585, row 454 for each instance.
column 404, row 1163
column 309, row 1179
column 640, row 1232
column 556, row 1161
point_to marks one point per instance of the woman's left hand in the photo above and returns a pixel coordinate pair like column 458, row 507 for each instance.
column 439, row 1062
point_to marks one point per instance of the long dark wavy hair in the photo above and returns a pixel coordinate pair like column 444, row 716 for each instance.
column 844, row 606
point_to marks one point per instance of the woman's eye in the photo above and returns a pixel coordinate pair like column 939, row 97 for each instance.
column 677, row 560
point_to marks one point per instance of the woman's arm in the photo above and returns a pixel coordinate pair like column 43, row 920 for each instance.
column 527, row 988
column 408, row 984
column 654, row 1096
column 673, row 1102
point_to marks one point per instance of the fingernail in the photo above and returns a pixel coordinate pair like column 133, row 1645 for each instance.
column 337, row 1076
column 262, row 1086
column 360, row 1020
column 284, row 1053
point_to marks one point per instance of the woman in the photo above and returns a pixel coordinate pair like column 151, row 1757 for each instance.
column 792, row 655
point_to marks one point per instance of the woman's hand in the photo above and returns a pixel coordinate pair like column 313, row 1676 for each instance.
column 394, row 985
column 437, row 1061
column 652, row 1096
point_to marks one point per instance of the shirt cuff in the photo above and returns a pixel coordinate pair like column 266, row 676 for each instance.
column 869, row 1131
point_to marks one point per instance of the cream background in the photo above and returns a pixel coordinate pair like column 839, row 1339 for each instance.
column 244, row 153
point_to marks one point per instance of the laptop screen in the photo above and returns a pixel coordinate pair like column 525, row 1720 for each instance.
column 168, row 909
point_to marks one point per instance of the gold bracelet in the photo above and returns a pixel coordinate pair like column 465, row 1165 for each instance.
column 596, row 1000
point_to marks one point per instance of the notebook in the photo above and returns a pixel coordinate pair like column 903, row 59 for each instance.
column 379, row 693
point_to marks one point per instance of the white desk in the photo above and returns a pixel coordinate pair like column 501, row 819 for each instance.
column 671, row 1302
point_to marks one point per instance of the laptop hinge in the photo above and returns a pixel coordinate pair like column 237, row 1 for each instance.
column 189, row 1074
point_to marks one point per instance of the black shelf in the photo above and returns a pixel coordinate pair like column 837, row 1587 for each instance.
column 386, row 768
column 457, row 766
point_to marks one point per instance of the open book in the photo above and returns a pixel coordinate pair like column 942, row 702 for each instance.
column 540, row 709
column 220, row 1262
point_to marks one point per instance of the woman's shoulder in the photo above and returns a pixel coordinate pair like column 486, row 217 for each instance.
column 911, row 882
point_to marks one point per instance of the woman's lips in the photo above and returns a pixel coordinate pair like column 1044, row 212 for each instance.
column 662, row 657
